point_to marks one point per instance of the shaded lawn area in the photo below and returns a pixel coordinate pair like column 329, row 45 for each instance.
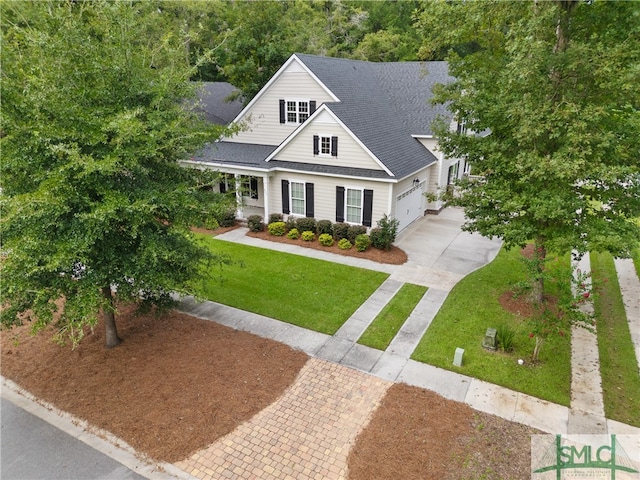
column 303, row 291
column 389, row 321
column 618, row 364
column 473, row 306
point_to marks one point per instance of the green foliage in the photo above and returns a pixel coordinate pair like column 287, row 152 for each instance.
column 275, row 217
column 94, row 120
column 308, row 236
column 211, row 223
column 304, row 223
column 340, row 231
column 324, row 226
column 344, row 244
column 293, row 234
column 325, row 239
column 277, row 229
column 226, row 217
column 291, row 223
column 505, row 334
column 354, row 231
column 383, row 236
column 560, row 165
column 389, row 321
column 255, row 223
column 362, row 242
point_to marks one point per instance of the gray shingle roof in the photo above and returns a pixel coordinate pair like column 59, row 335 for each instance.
column 383, row 104
column 214, row 102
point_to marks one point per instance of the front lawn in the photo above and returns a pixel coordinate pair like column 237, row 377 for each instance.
column 388, row 322
column 473, row 306
column 307, row 292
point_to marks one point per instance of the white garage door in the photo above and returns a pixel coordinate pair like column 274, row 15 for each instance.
column 409, row 206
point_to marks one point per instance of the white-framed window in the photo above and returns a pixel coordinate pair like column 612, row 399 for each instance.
column 453, row 173
column 325, row 145
column 297, row 198
column 353, row 205
column 462, row 127
column 297, row 111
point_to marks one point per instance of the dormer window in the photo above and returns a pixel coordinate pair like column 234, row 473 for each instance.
column 296, row 111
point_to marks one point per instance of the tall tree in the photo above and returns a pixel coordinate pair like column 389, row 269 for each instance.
column 551, row 91
column 95, row 118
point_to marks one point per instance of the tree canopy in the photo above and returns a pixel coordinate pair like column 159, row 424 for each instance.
column 96, row 116
column 550, row 92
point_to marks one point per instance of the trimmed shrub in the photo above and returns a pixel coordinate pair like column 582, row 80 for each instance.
column 324, row 226
column 275, row 217
column 293, row 234
column 340, row 231
column 210, row 223
column 291, row 223
column 388, row 231
column 354, row 231
column 344, row 244
column 325, row 239
column 226, row 218
column 377, row 238
column 308, row 236
column 254, row 222
column 277, row 229
column 362, row 242
column 305, row 224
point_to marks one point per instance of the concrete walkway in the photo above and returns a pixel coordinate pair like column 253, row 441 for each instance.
column 630, row 289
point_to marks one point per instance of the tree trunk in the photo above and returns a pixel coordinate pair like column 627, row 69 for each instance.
column 537, row 348
column 540, row 256
column 111, row 332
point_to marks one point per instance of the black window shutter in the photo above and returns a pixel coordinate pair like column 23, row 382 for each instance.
column 334, row 146
column 308, row 199
column 316, row 145
column 285, row 196
column 339, row 204
column 253, row 187
column 312, row 107
column 367, row 210
column 282, row 112
column 223, row 186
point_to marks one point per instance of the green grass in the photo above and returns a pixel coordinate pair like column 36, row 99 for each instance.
column 307, row 292
column 386, row 325
column 618, row 364
column 473, row 306
column 635, row 255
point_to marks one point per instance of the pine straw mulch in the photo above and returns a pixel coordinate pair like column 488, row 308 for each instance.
column 177, row 384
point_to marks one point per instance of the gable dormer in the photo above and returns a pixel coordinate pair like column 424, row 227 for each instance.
column 287, row 101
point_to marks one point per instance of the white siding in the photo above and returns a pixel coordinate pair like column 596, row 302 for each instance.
column 325, row 194
column 350, row 153
column 264, row 115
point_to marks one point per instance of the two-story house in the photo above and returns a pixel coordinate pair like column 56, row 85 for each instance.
column 338, row 139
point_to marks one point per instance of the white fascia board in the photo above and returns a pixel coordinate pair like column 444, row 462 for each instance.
column 307, row 124
column 221, row 166
column 423, row 136
column 272, row 80
column 335, row 175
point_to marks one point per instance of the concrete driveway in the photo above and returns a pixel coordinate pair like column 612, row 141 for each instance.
column 440, row 253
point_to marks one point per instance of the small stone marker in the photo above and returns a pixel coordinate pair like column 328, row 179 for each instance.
column 457, row 358
column 490, row 339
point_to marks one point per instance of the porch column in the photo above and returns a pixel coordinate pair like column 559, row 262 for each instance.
column 239, row 202
column 265, row 188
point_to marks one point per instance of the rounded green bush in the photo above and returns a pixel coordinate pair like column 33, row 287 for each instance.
column 308, row 236
column 277, row 228
column 362, row 242
column 293, row 234
column 325, row 239
column 344, row 244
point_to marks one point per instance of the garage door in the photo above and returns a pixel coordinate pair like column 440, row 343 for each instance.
column 409, row 206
